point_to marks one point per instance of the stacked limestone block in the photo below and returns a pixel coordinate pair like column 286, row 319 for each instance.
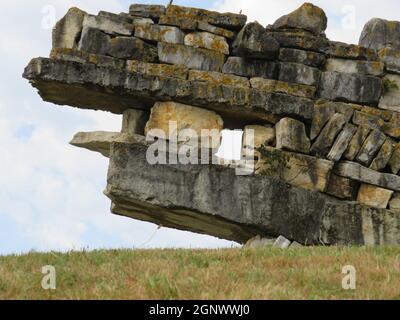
column 325, row 115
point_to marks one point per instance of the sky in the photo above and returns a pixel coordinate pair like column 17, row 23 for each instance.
column 51, row 195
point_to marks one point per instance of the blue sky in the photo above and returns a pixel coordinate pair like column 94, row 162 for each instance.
column 51, row 193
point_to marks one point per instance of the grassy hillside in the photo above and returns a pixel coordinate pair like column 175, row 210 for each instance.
column 309, row 273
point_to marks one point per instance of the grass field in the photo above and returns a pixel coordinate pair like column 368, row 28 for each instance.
column 305, row 273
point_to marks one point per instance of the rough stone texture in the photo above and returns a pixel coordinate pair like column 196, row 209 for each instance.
column 368, row 120
column 219, row 78
column 299, row 170
column 153, row 32
column 67, row 31
column 147, row 11
column 307, row 17
column 342, row 142
column 309, row 58
column 394, row 162
column 324, row 142
column 359, row 173
column 204, row 26
column 350, row 51
column 357, row 142
column 373, row 68
column 181, row 23
column 384, row 155
column 289, row 106
column 107, row 25
column 321, row 115
column 342, row 188
column 371, row 147
column 261, row 136
column 299, row 73
column 185, row 116
column 228, row 21
column 122, row 17
column 391, row 98
column 251, row 68
column 282, row 243
column 253, row 42
column 291, row 135
column 207, row 40
column 134, row 122
column 99, row 141
column 380, row 33
column 193, row 58
column 97, row 42
column 294, row 40
column 269, row 85
column 374, row 196
column 156, row 69
column 350, row 88
column 394, row 203
column 391, row 58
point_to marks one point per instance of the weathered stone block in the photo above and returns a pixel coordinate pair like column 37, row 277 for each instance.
column 269, row 85
column 350, row 88
column 193, row 58
column 284, row 105
column 67, row 31
column 309, row 58
column 394, row 203
column 384, row 155
column 262, row 136
column 307, row 17
column 291, row 135
column 359, row 173
column 207, row 40
column 391, row 97
column 107, row 25
column 299, row 73
column 373, row 68
column 99, row 141
column 342, row 142
column 253, row 42
column 357, row 142
column 369, row 120
column 374, row 196
column 394, row 162
column 181, row 23
column 391, row 58
column 134, row 121
column 122, row 17
column 371, row 147
column 251, row 68
column 299, row 170
column 321, row 115
column 225, row 20
column 94, row 41
column 219, row 78
column 295, row 40
column 342, row 188
column 325, row 140
column 157, row 69
column 350, row 51
column 258, row 243
column 380, row 33
column 282, row 243
column 205, row 26
column 147, row 11
column 157, row 33
column 185, row 117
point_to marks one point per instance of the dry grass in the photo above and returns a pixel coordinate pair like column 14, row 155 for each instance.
column 306, row 273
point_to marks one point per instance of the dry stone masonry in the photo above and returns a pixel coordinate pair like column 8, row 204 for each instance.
column 321, row 120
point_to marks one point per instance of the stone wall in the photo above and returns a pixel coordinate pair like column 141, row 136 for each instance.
column 326, row 117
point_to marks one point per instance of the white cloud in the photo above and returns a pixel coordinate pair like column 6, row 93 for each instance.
column 267, row 11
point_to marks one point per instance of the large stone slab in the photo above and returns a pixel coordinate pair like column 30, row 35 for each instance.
column 343, row 50
column 371, row 147
column 384, row 155
column 307, row 17
column 157, row 69
column 147, row 11
column 219, row 78
column 325, row 140
column 269, row 85
column 359, row 173
column 394, row 162
column 299, row 73
column 251, row 68
column 342, row 142
column 67, row 31
column 205, row 26
column 134, row 122
column 374, row 196
column 391, row 97
column 380, row 33
column 342, row 188
column 368, row 120
column 207, row 40
column 350, row 88
column 157, row 33
column 108, row 25
column 297, row 169
column 99, row 141
column 193, row 58
column 321, row 115
column 253, row 42
column 295, row 40
column 250, row 206
column 291, row 136
column 357, row 142
column 391, row 58
column 373, row 68
column 284, row 105
column 309, row 58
